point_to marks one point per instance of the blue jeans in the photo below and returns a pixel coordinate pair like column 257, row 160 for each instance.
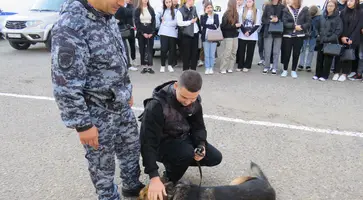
column 209, row 54
column 309, row 44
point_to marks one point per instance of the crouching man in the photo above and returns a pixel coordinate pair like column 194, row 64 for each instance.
column 172, row 128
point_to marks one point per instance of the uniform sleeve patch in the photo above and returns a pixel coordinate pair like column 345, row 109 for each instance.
column 66, row 57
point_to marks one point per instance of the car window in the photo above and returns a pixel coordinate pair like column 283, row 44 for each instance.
column 47, row 5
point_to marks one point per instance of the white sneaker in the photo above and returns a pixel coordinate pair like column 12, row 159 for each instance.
column 170, row 68
column 211, row 71
column 200, row 63
column 335, row 77
column 351, row 74
column 238, row 69
column 261, row 62
column 342, row 78
column 206, row 71
column 271, row 67
column 223, row 72
column 162, row 69
column 230, row 71
column 284, row 73
column 293, row 74
column 315, row 78
column 322, row 79
column 132, row 68
column 245, row 70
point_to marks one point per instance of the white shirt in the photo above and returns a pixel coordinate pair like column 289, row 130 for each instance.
column 248, row 23
column 145, row 17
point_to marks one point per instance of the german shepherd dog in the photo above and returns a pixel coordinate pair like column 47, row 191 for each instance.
column 253, row 187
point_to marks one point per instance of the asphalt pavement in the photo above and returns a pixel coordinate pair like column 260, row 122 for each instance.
column 250, row 117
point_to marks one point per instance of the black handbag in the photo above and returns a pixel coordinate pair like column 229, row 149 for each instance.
column 348, row 55
column 276, row 27
column 333, row 49
column 126, row 32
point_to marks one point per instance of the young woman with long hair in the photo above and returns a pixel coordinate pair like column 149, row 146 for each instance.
column 229, row 29
column 248, row 36
column 329, row 30
column 144, row 17
column 350, row 38
column 297, row 20
column 209, row 21
column 168, row 33
column 272, row 41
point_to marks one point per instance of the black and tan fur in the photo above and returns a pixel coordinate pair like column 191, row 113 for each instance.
column 253, row 187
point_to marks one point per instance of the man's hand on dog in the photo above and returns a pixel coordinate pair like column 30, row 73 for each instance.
column 198, row 157
column 156, row 189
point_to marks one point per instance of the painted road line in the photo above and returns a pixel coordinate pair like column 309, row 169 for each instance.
column 228, row 119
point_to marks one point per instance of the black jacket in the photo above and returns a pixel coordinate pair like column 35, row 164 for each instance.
column 228, row 30
column 269, row 11
column 154, row 128
column 203, row 21
column 303, row 19
column 145, row 28
column 124, row 15
column 330, row 28
column 352, row 25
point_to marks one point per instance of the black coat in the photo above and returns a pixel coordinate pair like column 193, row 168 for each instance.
column 269, row 10
column 203, row 21
column 330, row 28
column 352, row 25
column 228, row 30
column 303, row 19
column 124, row 15
column 142, row 28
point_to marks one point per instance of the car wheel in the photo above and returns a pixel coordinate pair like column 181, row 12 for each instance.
column 20, row 45
column 48, row 43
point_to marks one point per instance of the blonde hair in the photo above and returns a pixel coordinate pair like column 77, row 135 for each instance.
column 254, row 10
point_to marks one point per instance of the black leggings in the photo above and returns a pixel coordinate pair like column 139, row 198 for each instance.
column 292, row 44
column 146, row 46
column 178, row 154
column 168, row 45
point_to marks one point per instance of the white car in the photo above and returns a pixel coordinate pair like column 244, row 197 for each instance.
column 34, row 26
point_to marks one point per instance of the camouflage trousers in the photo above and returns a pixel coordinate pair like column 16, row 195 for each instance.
column 118, row 135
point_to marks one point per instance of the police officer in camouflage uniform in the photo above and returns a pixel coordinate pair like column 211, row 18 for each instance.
column 93, row 91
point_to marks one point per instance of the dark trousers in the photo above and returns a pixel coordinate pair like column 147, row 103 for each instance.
column 131, row 40
column 323, row 63
column 293, row 45
column 355, row 63
column 167, row 46
column 260, row 45
column 127, row 52
column 246, row 50
column 343, row 67
column 178, row 154
column 179, row 45
column 146, row 50
column 190, row 51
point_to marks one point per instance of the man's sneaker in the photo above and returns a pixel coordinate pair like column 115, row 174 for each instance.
column 132, row 192
column 150, row 70
column 356, row 77
column 144, row 70
column 132, row 68
column 274, row 72
column 262, row 62
column 284, row 73
column 170, row 68
column 300, row 68
column 335, row 77
column 308, row 69
column 342, row 78
column 322, row 79
column 352, row 74
column 315, row 78
column 265, row 70
column 245, row 70
column 293, row 74
column 162, row 69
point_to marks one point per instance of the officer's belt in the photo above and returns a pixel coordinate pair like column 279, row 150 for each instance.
column 104, row 101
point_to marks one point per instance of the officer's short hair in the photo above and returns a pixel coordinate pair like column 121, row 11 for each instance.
column 191, row 80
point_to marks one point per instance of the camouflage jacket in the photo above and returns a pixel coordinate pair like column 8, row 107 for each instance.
column 88, row 62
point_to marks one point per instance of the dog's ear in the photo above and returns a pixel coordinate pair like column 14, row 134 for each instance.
column 170, row 190
column 240, row 180
column 143, row 193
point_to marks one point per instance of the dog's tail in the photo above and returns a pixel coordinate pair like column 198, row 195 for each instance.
column 257, row 172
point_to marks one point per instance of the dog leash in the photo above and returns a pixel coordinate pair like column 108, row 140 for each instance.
column 200, row 173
